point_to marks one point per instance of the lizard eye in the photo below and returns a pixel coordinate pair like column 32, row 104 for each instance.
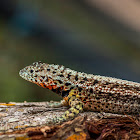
column 31, row 71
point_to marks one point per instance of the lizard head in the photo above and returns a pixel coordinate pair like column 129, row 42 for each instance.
column 46, row 75
column 32, row 72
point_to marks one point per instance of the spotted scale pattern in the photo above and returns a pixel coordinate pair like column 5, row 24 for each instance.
column 85, row 91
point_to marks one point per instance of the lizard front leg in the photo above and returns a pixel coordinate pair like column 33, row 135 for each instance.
column 76, row 107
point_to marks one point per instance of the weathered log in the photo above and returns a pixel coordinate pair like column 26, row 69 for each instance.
column 29, row 120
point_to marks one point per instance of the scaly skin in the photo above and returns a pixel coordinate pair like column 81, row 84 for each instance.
column 83, row 91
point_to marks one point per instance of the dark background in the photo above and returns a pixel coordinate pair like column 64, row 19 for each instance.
column 85, row 36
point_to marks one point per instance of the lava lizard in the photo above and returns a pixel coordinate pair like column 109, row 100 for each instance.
column 83, row 91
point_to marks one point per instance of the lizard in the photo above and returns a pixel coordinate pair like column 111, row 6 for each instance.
column 83, row 91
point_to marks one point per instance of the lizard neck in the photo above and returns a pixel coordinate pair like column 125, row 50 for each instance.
column 57, row 86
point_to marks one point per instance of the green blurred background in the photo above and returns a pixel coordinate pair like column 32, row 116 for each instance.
column 79, row 34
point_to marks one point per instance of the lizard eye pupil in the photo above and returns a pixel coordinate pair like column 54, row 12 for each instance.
column 31, row 71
